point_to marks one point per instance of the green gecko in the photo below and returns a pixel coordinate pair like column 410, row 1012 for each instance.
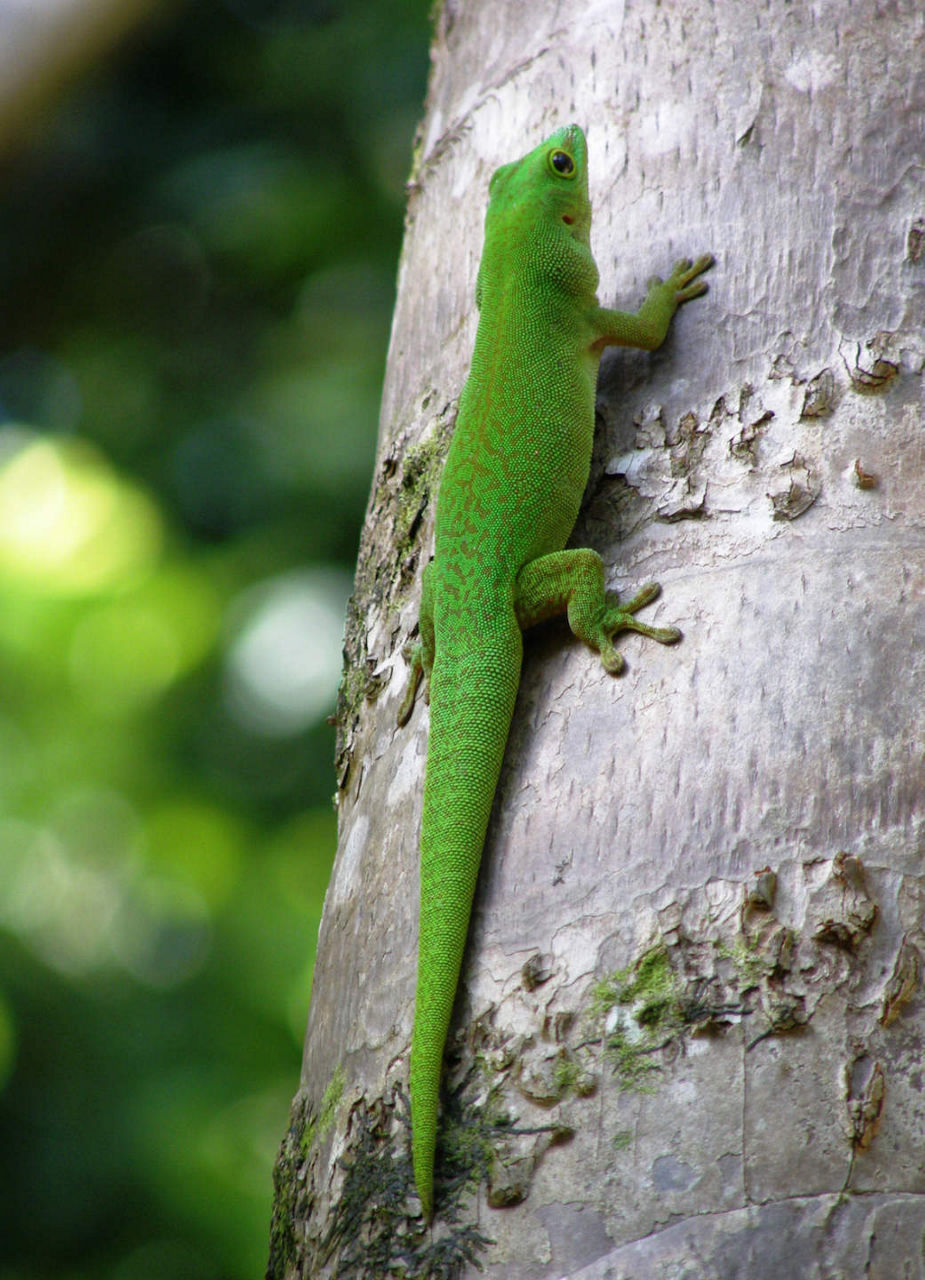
column 509, row 496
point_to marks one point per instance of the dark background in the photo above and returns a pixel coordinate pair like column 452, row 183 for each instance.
column 197, row 260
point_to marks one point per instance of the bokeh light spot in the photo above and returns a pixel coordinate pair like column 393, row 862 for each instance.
column 68, row 523
column 285, row 660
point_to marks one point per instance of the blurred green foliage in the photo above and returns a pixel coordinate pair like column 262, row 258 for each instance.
column 196, row 267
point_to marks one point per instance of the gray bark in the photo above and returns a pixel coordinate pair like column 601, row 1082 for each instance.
column 696, row 947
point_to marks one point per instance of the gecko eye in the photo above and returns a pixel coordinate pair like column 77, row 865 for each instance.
column 562, row 164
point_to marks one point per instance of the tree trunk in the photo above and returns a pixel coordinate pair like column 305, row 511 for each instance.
column 688, row 1036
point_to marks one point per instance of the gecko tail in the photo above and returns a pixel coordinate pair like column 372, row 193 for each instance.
column 466, row 746
column 444, row 922
column 426, row 1063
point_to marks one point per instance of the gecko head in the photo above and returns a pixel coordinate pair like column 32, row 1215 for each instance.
column 550, row 181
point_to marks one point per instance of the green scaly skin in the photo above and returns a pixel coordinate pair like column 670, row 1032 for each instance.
column 509, row 497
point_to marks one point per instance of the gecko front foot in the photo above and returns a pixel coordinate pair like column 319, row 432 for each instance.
column 684, row 282
column 684, row 277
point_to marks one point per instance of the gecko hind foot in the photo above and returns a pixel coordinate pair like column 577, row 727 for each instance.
column 621, row 617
